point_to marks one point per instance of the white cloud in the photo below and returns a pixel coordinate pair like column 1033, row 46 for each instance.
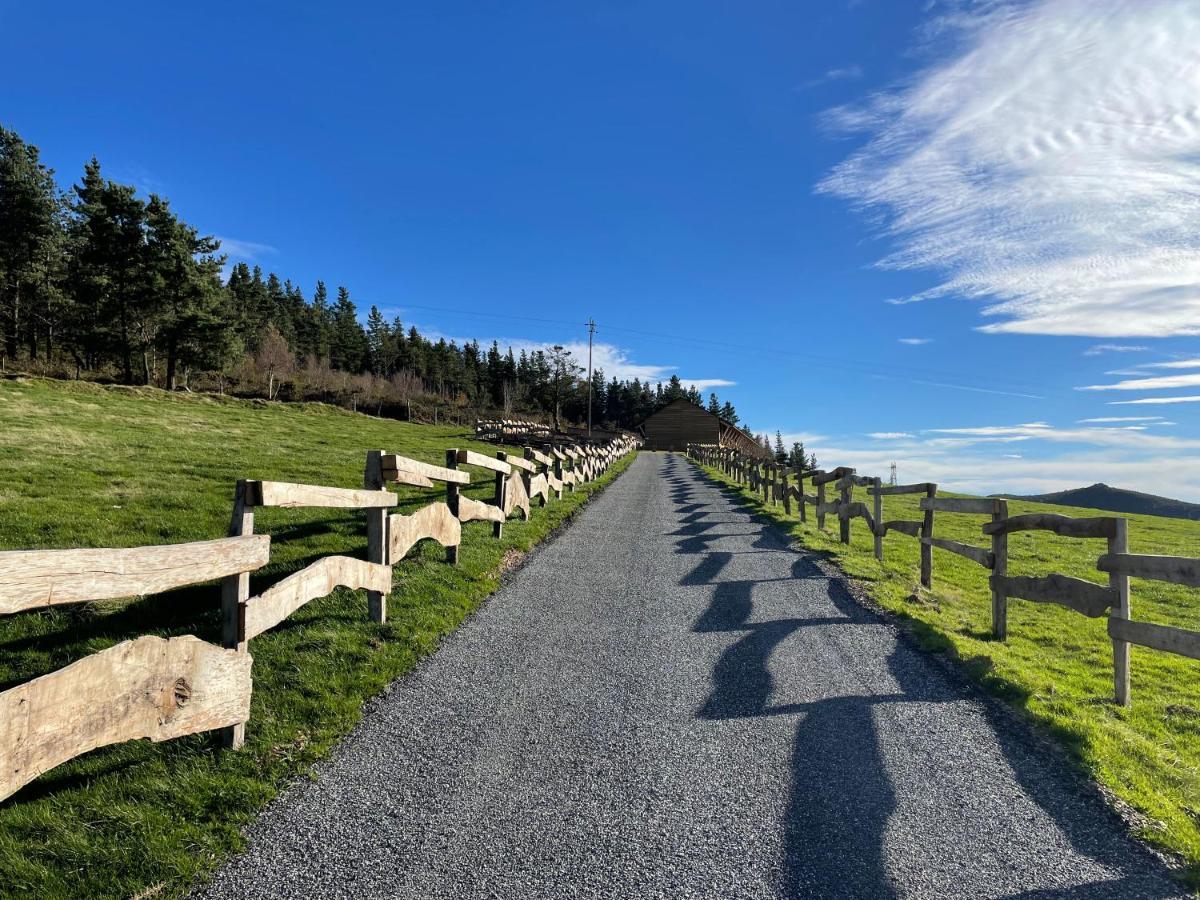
column 1100, row 420
column 1174, row 364
column 245, row 250
column 1154, row 400
column 1098, row 349
column 842, row 73
column 1163, row 382
column 889, row 435
column 1050, row 167
column 915, row 342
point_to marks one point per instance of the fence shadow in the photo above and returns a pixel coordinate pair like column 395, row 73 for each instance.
column 842, row 796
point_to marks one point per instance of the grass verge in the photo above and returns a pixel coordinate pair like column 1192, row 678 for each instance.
column 85, row 465
column 1056, row 666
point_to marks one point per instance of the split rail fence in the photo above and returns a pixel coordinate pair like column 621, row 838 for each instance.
column 163, row 688
column 781, row 484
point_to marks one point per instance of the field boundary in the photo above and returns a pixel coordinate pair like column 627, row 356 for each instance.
column 160, row 689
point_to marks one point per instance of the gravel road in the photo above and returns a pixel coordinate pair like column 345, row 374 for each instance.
column 666, row 701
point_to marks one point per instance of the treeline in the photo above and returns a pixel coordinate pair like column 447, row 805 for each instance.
column 98, row 282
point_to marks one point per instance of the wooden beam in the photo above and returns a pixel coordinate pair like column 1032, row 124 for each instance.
column 523, row 464
column 433, row 522
column 889, row 489
column 471, row 458
column 150, row 688
column 289, row 496
column 32, row 579
column 912, row 529
column 537, row 455
column 393, row 465
column 282, row 599
column 1157, row 637
column 973, row 505
column 477, row 511
column 1098, row 527
column 1086, row 597
column 975, row 554
column 1175, row 569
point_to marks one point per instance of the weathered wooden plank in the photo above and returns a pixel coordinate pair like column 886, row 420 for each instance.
column 1085, row 597
column 975, row 554
column 1175, row 569
column 538, row 486
column 30, row 579
column 523, row 464
column 537, row 455
column 828, row 508
column 433, row 522
column 394, row 464
column 912, row 529
column 148, row 688
column 1118, row 582
column 978, row 506
column 288, row 495
column 852, row 480
column 888, row 489
column 282, row 599
column 821, row 477
column 1157, row 637
column 516, row 497
column 1067, row 526
column 476, row 511
column 471, row 458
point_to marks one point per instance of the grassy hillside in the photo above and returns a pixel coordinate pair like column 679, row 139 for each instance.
column 1056, row 664
column 1101, row 496
column 84, row 465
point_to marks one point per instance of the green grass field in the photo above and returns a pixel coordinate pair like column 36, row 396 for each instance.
column 88, row 466
column 1056, row 664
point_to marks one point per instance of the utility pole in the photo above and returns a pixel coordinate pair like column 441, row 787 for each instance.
column 591, row 324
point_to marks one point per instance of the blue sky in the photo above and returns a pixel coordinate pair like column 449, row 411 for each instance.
column 905, row 231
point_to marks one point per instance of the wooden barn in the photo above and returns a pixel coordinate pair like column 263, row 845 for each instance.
column 682, row 422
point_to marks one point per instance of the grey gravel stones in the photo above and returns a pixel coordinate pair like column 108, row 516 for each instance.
column 666, row 701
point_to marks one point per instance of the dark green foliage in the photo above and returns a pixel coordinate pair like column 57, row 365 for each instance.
column 109, row 285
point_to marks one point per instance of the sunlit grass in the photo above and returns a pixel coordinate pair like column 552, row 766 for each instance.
column 89, row 466
column 1056, row 664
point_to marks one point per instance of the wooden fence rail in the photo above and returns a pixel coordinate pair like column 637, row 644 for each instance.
column 1079, row 595
column 157, row 689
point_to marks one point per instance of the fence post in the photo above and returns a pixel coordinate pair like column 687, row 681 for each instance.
column 877, row 507
column 1119, row 543
column 800, row 493
column 927, row 549
column 452, row 502
column 999, row 567
column 785, row 491
column 235, row 591
column 847, row 494
column 820, row 506
column 377, row 536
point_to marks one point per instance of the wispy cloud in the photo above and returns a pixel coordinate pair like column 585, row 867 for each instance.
column 1150, row 401
column 1174, row 364
column 250, row 251
column 1100, row 420
column 843, row 73
column 889, row 435
column 1050, row 167
column 1162, row 382
column 1098, row 349
column 915, row 342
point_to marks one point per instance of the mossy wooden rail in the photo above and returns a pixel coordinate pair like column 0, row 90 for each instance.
column 1080, row 595
column 158, row 689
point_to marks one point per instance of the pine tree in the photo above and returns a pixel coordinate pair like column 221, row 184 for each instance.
column 31, row 246
column 729, row 414
column 780, row 451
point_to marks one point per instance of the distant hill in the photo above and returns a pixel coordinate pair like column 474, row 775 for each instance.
column 1101, row 496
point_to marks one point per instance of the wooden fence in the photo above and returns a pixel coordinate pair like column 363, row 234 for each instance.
column 1088, row 598
column 159, row 688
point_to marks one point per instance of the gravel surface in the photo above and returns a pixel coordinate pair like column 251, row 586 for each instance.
column 666, row 701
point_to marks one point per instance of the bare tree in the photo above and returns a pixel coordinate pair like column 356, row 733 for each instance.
column 563, row 375
column 274, row 359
